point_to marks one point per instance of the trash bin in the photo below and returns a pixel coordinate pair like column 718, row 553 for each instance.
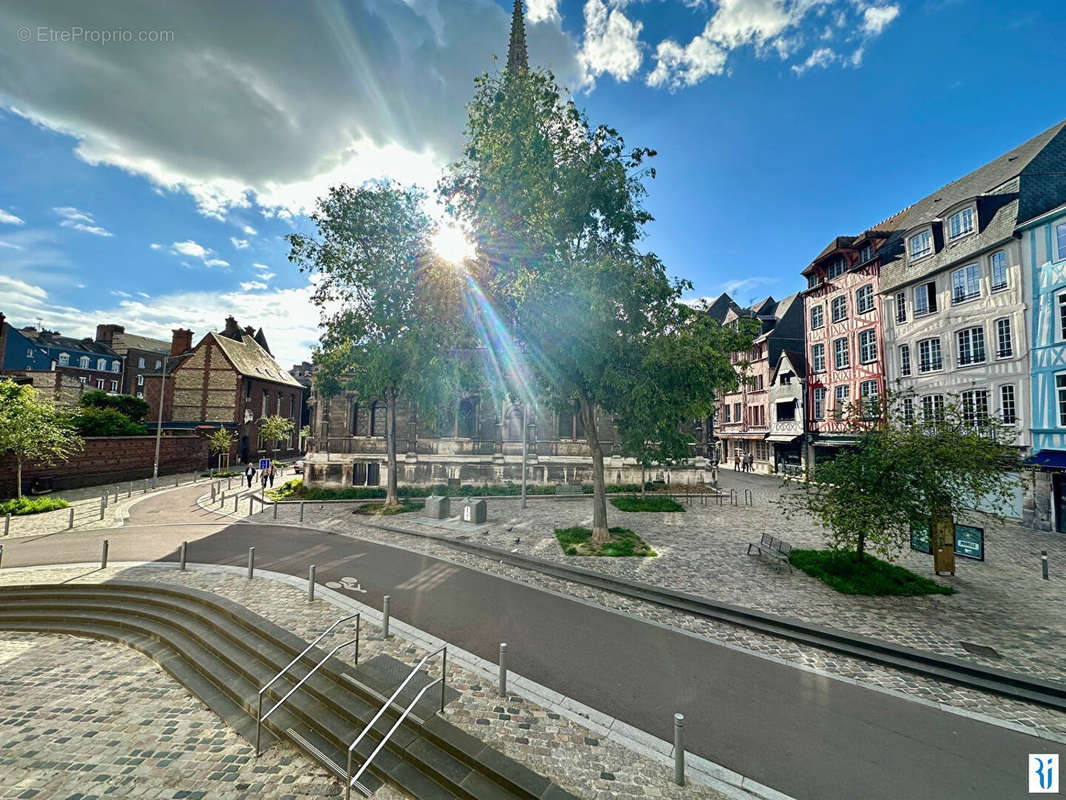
column 474, row 511
column 437, row 507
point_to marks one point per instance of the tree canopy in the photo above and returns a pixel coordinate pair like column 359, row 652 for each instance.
column 33, row 430
column 133, row 407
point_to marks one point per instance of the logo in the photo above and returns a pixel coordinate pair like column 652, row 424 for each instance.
column 1043, row 773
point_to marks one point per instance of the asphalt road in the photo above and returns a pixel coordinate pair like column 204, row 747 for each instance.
column 803, row 734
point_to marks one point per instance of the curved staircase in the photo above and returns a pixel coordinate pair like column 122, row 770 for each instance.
column 223, row 653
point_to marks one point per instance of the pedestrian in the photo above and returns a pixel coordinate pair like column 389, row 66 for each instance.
column 751, row 462
column 271, row 473
column 249, row 473
column 264, row 475
column 736, row 462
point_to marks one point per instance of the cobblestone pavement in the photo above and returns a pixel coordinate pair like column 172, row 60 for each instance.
column 552, row 745
column 1002, row 603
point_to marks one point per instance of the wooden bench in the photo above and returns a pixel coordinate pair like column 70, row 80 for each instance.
column 569, row 488
column 774, row 548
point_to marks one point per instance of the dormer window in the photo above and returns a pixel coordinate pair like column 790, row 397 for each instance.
column 866, row 253
column 920, row 245
column 960, row 223
column 83, row 362
column 838, row 267
column 64, row 359
column 101, row 364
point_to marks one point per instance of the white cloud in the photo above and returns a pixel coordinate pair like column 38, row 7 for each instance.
column 197, row 250
column 266, row 275
column 678, row 66
column 11, row 245
column 238, row 244
column 876, row 18
column 145, row 295
column 542, row 11
column 156, row 246
column 249, row 230
column 822, row 57
column 249, row 285
column 7, row 218
column 612, row 43
column 285, row 102
column 80, row 221
column 261, row 266
column 120, row 293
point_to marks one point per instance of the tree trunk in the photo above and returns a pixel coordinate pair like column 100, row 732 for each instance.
column 18, row 480
column 391, row 495
column 861, row 549
column 643, row 481
column 600, row 533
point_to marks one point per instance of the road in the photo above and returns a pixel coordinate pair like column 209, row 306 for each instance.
column 803, row 734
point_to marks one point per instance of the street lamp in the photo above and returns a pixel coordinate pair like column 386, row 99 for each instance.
column 525, row 440
column 159, row 423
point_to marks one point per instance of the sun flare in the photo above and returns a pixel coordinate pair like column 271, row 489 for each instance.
column 452, row 244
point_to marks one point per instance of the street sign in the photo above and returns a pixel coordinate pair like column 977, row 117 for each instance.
column 264, row 463
column 969, row 541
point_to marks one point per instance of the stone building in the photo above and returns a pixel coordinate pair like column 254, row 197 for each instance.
column 230, row 380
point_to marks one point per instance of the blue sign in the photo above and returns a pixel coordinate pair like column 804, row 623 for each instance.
column 264, row 463
column 969, row 541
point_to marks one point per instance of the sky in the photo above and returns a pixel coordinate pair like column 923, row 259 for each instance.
column 154, row 154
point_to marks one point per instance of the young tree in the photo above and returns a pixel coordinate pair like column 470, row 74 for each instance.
column 389, row 305
column 221, row 441
column 33, row 430
column 276, row 429
column 557, row 209
column 910, row 469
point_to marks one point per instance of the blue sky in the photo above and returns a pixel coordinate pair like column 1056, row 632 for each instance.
column 150, row 183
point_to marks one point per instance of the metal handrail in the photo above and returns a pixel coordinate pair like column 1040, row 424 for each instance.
column 388, row 703
column 259, row 718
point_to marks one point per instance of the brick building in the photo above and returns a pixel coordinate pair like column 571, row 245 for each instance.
column 228, row 379
column 92, row 364
column 141, row 355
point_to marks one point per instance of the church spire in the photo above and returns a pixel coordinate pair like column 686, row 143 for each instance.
column 516, row 51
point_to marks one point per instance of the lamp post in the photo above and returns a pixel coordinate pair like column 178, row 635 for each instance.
column 525, row 441
column 159, row 423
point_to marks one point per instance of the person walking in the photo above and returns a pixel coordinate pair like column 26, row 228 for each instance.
column 751, row 462
column 736, row 462
column 249, row 473
column 271, row 473
column 264, row 475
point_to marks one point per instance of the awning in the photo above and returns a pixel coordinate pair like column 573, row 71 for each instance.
column 833, row 442
column 783, row 437
column 1048, row 459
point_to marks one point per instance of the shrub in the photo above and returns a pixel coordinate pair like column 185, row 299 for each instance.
column 849, row 574
column 370, row 509
column 32, row 505
column 575, row 542
column 652, row 503
column 126, row 404
column 297, row 490
column 95, row 421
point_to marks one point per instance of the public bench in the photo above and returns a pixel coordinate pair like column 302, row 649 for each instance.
column 774, row 548
column 568, row 488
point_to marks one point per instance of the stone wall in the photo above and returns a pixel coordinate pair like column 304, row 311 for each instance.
column 61, row 389
column 110, row 459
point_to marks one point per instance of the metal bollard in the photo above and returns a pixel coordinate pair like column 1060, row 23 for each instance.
column 116, row 493
column 183, row 553
column 236, row 500
column 176, row 479
column 311, row 584
column 130, row 492
column 503, row 669
column 385, row 616
column 212, row 492
column 103, row 505
column 145, row 486
column 679, row 749
column 70, row 522
column 1, row 555
column 103, row 556
column 229, row 482
column 1043, row 563
column 250, row 499
column 275, row 509
column 7, row 523
column 251, row 562
column 301, row 511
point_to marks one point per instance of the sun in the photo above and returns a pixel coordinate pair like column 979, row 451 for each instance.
column 452, row 244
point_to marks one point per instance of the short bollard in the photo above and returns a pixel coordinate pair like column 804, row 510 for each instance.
column 116, row 493
column 176, row 479
column 310, row 584
column 301, row 511
column 212, row 492
column 70, row 522
column 183, row 553
column 103, row 500
column 7, row 525
column 145, row 486
column 1, row 555
column 251, row 562
column 679, row 749
column 130, row 492
column 503, row 669
column 275, row 509
column 250, row 499
column 103, row 505
column 385, row 616
column 236, row 500
column 103, row 555
column 1043, row 563
column 229, row 482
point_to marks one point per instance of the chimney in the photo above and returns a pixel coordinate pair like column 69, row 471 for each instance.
column 232, row 330
column 105, row 334
column 181, row 341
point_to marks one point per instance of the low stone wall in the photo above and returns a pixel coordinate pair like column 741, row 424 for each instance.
column 110, row 459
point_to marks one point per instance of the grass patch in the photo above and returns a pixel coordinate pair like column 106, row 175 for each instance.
column 871, row 576
column 296, row 490
column 652, row 503
column 369, row 509
column 32, row 505
column 575, row 542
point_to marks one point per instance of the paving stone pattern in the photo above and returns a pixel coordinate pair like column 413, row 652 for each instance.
column 1002, row 602
column 554, row 746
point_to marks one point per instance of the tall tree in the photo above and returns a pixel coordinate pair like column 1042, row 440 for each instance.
column 388, row 302
column 276, row 428
column 33, row 430
column 557, row 209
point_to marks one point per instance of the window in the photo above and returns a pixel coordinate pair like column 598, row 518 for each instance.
column 1062, row 316
column 866, row 253
column 960, row 223
column 818, row 358
column 975, row 407
column 920, row 245
column 64, row 359
column 140, row 395
column 818, row 402
column 83, row 380
column 377, row 419
column 813, row 280
column 355, row 419
column 924, row 299
column 971, row 343
column 841, row 356
column 867, row 346
column 1060, row 389
column 838, row 267
column 864, row 298
column 929, row 355
column 965, row 284
column 101, row 364
column 868, row 393
column 1008, row 410
column 839, row 308
column 905, row 360
column 83, row 362
column 1060, row 241
column 901, row 307
column 817, row 317
column 786, row 411
column 725, row 413
column 908, row 410
column 114, row 386
column 99, row 383
column 140, row 363
column 933, row 408
column 997, row 266
column 158, row 363
column 140, row 380
column 736, row 413
column 1004, row 341
column 840, row 401
column 115, row 366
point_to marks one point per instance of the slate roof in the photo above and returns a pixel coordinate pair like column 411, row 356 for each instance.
column 252, row 361
column 124, row 342
column 720, row 306
column 50, row 339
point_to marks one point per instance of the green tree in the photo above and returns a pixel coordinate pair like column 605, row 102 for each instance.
column 32, row 430
column 97, row 421
column 133, row 407
column 557, row 209
column 909, row 467
column 221, row 442
column 276, row 429
column 389, row 305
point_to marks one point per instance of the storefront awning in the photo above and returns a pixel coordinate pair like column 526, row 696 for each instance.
column 783, row 437
column 833, row 442
column 1048, row 459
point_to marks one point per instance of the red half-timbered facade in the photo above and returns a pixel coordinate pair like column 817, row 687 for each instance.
column 845, row 342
